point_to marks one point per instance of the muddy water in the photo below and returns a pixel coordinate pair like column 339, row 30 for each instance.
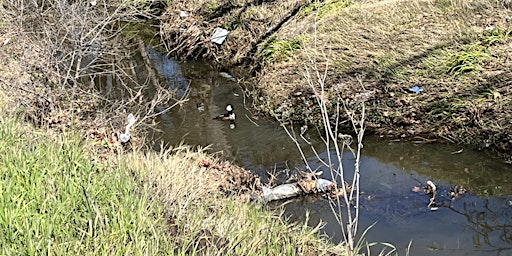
column 477, row 223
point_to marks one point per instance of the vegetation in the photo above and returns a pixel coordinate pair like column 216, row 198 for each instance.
column 91, row 194
column 204, row 220
column 69, row 186
column 324, row 8
column 57, row 201
column 278, row 50
column 449, row 49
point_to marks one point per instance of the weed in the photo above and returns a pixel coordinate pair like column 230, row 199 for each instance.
column 468, row 59
column 55, row 201
column 495, row 36
column 324, row 8
column 280, row 49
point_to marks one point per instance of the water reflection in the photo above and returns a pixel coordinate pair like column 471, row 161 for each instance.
column 467, row 225
column 255, row 143
column 478, row 223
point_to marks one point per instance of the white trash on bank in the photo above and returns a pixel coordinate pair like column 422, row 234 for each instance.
column 125, row 137
column 219, row 35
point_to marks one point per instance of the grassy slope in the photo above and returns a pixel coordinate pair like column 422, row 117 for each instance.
column 57, row 201
column 204, row 219
column 440, row 46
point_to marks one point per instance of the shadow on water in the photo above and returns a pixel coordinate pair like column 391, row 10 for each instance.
column 477, row 223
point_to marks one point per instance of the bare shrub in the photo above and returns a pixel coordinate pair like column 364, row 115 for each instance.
column 80, row 56
column 334, row 110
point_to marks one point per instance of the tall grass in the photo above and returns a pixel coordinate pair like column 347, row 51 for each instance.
column 55, row 201
column 206, row 222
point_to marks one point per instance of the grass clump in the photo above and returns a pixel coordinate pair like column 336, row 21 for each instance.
column 275, row 49
column 56, row 201
column 324, row 8
column 496, row 36
column 469, row 59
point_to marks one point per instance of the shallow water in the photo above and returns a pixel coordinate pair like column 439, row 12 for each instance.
column 477, row 223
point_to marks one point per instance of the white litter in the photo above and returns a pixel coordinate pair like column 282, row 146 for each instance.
column 281, row 192
column 125, row 137
column 219, row 35
column 227, row 76
column 322, row 185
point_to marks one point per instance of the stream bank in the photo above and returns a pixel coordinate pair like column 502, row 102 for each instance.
column 438, row 71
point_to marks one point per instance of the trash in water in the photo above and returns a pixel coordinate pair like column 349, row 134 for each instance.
column 219, row 35
column 430, row 190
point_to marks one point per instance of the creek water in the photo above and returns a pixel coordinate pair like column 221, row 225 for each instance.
column 476, row 223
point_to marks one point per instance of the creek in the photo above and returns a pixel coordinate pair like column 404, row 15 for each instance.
column 476, row 223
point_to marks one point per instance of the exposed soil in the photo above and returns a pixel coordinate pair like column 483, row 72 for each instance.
column 456, row 53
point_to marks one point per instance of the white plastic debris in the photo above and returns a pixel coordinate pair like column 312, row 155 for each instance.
column 227, row 76
column 183, row 14
column 94, row 2
column 125, row 137
column 219, row 35
column 323, row 185
column 281, row 192
column 6, row 41
column 432, row 185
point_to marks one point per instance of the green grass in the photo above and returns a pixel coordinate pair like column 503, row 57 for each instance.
column 55, row 201
column 468, row 59
column 280, row 49
column 496, row 36
column 324, row 8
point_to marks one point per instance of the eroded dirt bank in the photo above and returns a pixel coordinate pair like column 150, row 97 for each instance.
column 436, row 70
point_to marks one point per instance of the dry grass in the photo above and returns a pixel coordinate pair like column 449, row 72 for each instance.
column 455, row 50
column 193, row 186
column 248, row 22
